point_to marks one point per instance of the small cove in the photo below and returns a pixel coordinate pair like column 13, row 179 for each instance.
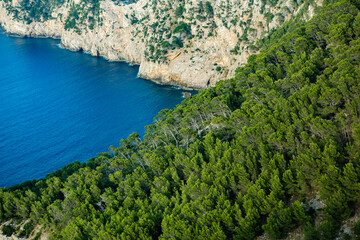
column 58, row 106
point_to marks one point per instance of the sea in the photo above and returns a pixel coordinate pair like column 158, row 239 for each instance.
column 58, row 106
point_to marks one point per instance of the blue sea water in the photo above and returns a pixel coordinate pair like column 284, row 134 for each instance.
column 58, row 106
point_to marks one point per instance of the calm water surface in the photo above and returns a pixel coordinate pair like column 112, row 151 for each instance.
column 58, row 106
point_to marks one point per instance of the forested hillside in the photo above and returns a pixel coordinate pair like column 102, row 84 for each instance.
column 271, row 151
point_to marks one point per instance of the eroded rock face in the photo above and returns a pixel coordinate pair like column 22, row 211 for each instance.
column 144, row 33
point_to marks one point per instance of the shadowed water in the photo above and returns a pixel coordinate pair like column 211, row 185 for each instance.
column 58, row 106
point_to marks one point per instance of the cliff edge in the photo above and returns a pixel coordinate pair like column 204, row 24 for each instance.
column 191, row 44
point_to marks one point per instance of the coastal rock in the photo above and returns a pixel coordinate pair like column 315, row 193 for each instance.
column 187, row 94
column 141, row 33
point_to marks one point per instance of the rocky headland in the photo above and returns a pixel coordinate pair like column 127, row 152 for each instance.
column 189, row 44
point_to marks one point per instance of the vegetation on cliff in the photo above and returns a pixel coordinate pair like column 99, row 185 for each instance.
column 207, row 35
column 247, row 157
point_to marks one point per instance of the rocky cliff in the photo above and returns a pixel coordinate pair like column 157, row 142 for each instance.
column 191, row 44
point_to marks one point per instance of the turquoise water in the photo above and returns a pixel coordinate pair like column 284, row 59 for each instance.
column 58, row 106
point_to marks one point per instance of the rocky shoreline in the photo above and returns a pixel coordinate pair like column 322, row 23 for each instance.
column 200, row 63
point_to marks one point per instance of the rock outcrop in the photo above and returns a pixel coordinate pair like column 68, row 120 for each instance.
column 183, row 43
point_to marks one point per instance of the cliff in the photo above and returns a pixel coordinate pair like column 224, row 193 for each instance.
column 184, row 43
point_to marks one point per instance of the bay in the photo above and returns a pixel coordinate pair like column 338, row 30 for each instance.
column 58, row 106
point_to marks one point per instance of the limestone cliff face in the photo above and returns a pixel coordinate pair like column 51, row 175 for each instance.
column 184, row 43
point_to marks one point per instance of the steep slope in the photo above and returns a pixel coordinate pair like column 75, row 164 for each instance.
column 272, row 150
column 186, row 43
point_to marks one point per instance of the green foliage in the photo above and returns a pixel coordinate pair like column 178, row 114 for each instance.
column 356, row 230
column 37, row 10
column 41, row 11
column 269, row 17
column 8, row 230
column 209, row 9
column 278, row 222
column 235, row 50
column 182, row 28
column 234, row 161
column 27, row 229
column 177, row 42
column 179, row 11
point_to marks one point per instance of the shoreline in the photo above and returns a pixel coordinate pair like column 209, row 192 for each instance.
column 117, row 39
column 113, row 78
column 174, row 84
column 205, row 57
